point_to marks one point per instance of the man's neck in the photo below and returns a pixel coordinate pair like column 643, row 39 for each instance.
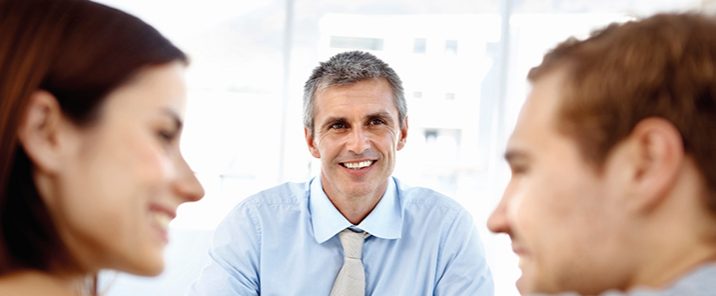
column 355, row 211
column 355, row 207
column 664, row 273
column 678, row 237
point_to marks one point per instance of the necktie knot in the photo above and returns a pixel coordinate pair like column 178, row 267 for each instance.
column 352, row 243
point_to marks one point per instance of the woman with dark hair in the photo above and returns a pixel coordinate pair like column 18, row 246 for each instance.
column 91, row 104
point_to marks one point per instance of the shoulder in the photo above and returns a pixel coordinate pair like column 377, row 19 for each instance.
column 281, row 199
column 700, row 282
column 274, row 209
column 288, row 193
column 32, row 283
column 8, row 286
column 427, row 206
column 422, row 197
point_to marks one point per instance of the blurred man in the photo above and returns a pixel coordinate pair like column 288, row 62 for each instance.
column 613, row 161
column 355, row 230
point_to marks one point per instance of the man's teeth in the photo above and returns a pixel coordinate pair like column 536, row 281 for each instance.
column 162, row 220
column 357, row 165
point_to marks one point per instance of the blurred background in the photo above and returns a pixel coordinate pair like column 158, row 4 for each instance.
column 463, row 64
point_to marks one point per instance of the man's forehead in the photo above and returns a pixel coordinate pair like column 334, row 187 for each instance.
column 340, row 98
column 543, row 102
column 537, row 121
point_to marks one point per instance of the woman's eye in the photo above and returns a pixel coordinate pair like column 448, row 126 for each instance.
column 519, row 170
column 166, row 136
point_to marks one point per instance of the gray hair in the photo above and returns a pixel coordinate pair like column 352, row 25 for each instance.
column 346, row 68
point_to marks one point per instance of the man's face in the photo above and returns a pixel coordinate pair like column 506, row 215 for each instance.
column 356, row 135
column 562, row 215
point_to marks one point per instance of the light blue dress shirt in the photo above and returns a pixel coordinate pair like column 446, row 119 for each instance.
column 283, row 241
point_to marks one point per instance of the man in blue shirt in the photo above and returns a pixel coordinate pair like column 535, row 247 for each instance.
column 355, row 230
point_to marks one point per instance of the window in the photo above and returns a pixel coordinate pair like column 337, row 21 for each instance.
column 451, row 47
column 356, row 43
column 419, row 45
column 431, row 135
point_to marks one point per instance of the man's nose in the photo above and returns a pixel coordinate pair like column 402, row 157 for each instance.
column 497, row 222
column 358, row 141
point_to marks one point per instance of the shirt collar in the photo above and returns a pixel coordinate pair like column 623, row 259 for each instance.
column 385, row 221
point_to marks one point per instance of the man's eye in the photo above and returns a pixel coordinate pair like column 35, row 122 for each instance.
column 338, row 125
column 376, row 121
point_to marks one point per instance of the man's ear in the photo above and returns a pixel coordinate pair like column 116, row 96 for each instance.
column 308, row 134
column 403, row 134
column 39, row 131
column 658, row 154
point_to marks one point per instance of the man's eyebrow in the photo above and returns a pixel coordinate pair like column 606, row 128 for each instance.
column 333, row 119
column 381, row 114
column 174, row 116
column 330, row 121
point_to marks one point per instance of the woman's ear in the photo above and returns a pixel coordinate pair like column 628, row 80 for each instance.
column 39, row 131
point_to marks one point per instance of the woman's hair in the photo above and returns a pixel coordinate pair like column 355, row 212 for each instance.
column 79, row 51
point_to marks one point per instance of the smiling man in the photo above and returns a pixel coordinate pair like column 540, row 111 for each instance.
column 613, row 188
column 355, row 229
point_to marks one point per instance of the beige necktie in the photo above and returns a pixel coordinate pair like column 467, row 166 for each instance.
column 351, row 279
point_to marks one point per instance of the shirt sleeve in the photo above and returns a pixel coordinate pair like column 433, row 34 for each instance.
column 466, row 271
column 233, row 267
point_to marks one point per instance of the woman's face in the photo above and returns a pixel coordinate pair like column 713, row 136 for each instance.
column 124, row 176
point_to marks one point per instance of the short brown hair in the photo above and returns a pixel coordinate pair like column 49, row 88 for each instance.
column 662, row 66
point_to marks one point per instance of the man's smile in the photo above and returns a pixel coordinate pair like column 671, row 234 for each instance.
column 358, row 164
